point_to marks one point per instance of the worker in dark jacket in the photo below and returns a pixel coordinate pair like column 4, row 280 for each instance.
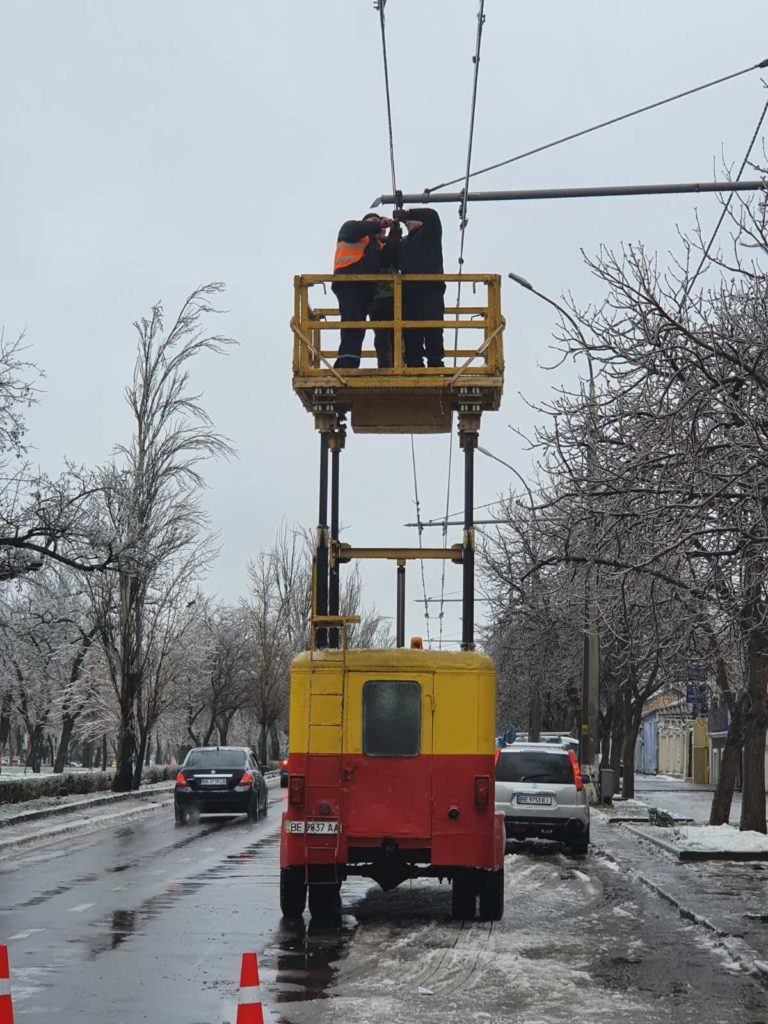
column 421, row 252
column 360, row 249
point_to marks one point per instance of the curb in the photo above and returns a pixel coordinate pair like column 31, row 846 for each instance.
column 77, row 805
column 692, row 856
column 79, row 825
column 749, row 960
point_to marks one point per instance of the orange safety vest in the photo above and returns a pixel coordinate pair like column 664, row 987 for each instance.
column 348, row 253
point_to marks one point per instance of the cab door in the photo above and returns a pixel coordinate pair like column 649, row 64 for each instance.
column 387, row 758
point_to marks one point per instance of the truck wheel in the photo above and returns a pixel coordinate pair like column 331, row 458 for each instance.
column 463, row 896
column 492, row 896
column 324, row 901
column 293, row 892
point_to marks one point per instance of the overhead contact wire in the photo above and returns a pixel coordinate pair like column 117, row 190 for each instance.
column 463, row 228
column 420, row 526
column 380, row 5
column 596, row 127
column 726, row 207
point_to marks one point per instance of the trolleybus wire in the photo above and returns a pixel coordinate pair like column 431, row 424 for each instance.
column 726, row 207
column 463, row 228
column 418, row 520
column 596, row 127
column 379, row 5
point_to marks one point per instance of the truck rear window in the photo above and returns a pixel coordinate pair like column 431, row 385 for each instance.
column 391, row 718
column 534, row 766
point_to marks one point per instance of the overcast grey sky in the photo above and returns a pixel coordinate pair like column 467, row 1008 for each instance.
column 153, row 145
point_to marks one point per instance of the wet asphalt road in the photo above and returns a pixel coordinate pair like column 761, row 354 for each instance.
column 147, row 922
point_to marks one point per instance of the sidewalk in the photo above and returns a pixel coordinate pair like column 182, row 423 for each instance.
column 681, row 798
column 728, row 899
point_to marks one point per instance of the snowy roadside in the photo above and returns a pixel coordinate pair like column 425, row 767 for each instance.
column 45, row 806
column 726, row 898
column 79, row 814
column 706, row 842
column 85, row 819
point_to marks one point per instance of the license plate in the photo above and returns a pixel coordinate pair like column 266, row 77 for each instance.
column 213, row 782
column 323, row 828
column 313, row 828
column 539, row 801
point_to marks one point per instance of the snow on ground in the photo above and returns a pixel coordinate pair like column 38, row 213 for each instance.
column 715, row 838
column 576, row 945
column 77, row 801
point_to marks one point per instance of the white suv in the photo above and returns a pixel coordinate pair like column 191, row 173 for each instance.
column 541, row 792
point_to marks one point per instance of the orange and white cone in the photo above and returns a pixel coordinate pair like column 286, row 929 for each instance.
column 249, row 1009
column 6, row 1006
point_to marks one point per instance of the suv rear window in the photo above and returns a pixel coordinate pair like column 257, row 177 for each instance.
column 391, row 718
column 534, row 766
column 215, row 759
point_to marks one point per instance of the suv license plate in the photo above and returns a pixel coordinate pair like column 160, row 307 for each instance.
column 540, row 801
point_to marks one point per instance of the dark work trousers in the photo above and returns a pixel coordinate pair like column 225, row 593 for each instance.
column 355, row 300
column 383, row 308
column 424, row 302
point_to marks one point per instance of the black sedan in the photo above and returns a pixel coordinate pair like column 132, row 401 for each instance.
column 220, row 780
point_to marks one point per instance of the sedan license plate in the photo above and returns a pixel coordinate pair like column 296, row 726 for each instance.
column 213, row 782
column 530, row 798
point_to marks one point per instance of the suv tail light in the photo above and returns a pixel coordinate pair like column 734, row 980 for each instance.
column 284, row 763
column 482, row 790
column 296, row 791
column 577, row 779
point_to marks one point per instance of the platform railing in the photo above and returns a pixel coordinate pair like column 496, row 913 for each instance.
column 314, row 327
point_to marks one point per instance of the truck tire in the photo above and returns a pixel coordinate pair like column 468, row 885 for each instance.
column 324, row 901
column 293, row 892
column 492, row 895
column 463, row 896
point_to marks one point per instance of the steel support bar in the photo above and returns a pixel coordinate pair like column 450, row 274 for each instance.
column 468, row 582
column 423, row 198
column 333, row 576
column 321, row 558
column 346, row 553
column 400, row 622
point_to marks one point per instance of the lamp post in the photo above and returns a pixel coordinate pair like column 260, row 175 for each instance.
column 589, row 732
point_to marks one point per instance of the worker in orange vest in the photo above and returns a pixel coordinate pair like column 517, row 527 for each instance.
column 361, row 248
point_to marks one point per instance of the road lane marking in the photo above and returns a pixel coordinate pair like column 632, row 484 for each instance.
column 80, row 908
column 24, row 935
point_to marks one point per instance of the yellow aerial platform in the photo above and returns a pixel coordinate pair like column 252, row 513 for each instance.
column 401, row 399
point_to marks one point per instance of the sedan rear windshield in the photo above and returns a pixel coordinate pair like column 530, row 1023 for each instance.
column 534, row 766
column 215, row 759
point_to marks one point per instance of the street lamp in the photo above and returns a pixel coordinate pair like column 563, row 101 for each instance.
column 589, row 737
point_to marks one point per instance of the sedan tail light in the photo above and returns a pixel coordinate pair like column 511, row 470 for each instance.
column 246, row 780
column 296, row 791
column 181, row 782
column 482, row 790
column 284, row 763
column 577, row 779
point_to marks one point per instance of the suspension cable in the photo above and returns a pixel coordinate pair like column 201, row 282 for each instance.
column 726, row 206
column 596, row 127
column 421, row 530
column 379, row 5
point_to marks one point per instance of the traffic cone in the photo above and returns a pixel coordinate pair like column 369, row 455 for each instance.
column 249, row 1009
column 6, row 1005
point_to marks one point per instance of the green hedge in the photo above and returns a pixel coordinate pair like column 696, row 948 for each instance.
column 18, row 788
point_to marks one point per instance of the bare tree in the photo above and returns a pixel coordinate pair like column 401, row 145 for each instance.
column 151, row 504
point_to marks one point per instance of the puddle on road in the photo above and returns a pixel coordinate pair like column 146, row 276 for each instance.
column 125, row 922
